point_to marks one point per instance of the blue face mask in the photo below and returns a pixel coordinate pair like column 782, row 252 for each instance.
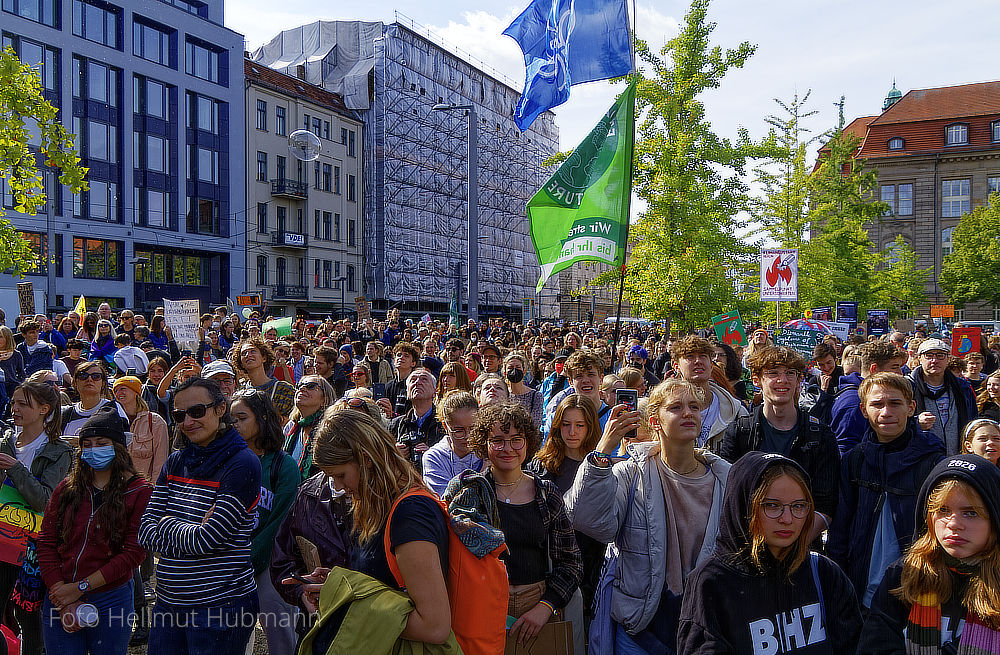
column 99, row 457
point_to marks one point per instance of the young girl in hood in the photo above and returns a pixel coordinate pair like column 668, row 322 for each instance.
column 762, row 591
column 982, row 437
column 944, row 595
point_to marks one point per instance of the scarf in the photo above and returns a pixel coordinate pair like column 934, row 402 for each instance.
column 923, row 628
column 299, row 448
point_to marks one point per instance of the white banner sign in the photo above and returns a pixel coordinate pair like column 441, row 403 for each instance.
column 182, row 318
column 842, row 330
column 779, row 274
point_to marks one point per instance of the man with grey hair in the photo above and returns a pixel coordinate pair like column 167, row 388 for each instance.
column 419, row 428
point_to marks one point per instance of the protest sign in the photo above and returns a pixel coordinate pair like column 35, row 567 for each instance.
column 942, row 311
column 182, row 318
column 965, row 340
column 282, row 325
column 841, row 330
column 878, row 321
column 364, row 308
column 822, row 313
column 26, row 298
column 729, row 328
column 847, row 312
column 801, row 341
column 779, row 274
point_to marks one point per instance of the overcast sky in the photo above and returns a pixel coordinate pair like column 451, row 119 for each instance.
column 847, row 48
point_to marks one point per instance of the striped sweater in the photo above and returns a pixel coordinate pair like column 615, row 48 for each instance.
column 199, row 519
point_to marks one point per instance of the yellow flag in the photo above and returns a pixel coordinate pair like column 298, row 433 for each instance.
column 81, row 308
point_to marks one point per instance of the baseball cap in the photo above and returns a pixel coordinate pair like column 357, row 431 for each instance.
column 219, row 366
column 933, row 344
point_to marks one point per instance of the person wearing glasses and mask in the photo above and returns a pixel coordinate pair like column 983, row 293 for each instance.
column 312, row 396
column 199, row 519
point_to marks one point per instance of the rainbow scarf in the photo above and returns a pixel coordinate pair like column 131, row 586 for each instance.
column 923, row 631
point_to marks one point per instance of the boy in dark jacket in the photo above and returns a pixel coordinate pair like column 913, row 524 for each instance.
column 879, row 481
column 846, row 419
column 37, row 355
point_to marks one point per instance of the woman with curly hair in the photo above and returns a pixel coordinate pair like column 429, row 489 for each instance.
column 88, row 546
column 251, row 359
column 547, row 571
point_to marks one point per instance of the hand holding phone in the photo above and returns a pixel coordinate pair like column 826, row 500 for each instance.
column 629, row 398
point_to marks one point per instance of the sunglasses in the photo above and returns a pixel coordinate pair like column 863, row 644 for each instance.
column 357, row 403
column 357, row 375
column 311, row 386
column 194, row 411
column 96, row 375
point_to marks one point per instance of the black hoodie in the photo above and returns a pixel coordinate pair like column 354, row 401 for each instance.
column 731, row 606
column 883, row 631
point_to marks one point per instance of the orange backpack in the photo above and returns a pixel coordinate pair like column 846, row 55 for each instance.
column 477, row 588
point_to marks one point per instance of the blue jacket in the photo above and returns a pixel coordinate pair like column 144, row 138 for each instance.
column 869, row 473
column 37, row 358
column 55, row 338
column 846, row 420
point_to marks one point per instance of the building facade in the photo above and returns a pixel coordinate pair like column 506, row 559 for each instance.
column 304, row 220
column 416, row 168
column 937, row 152
column 154, row 92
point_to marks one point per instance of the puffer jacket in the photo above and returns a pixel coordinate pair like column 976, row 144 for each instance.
column 597, row 507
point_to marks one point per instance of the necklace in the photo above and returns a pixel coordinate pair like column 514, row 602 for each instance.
column 689, row 471
column 509, row 484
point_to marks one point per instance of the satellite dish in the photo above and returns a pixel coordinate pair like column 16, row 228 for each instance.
column 304, row 145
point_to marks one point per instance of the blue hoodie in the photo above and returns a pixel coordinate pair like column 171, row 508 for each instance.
column 869, row 474
column 846, row 420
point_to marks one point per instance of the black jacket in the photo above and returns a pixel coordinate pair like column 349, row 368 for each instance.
column 814, row 449
column 733, row 606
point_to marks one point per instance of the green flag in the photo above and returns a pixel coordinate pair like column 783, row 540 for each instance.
column 282, row 325
column 581, row 213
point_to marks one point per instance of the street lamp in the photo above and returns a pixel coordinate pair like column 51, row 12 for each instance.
column 473, row 205
column 342, row 283
column 143, row 262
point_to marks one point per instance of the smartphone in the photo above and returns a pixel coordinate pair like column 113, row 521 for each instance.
column 629, row 398
column 296, row 576
column 186, row 353
column 378, row 391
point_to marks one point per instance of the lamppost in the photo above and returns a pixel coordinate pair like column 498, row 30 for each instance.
column 473, row 205
column 342, row 283
column 141, row 284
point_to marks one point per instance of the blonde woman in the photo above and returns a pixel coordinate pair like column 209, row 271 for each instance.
column 11, row 363
column 313, row 394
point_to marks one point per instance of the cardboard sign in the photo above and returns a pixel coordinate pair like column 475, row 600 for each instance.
column 779, row 274
column 878, row 322
column 364, row 308
column 802, row 341
column 248, row 300
column 847, row 312
column 942, row 311
column 965, row 340
column 729, row 328
column 26, row 298
column 182, row 317
column 19, row 523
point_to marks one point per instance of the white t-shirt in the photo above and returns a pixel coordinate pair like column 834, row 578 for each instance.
column 27, row 454
column 74, row 417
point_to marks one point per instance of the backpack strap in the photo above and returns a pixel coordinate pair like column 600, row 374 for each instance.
column 390, row 557
column 814, row 565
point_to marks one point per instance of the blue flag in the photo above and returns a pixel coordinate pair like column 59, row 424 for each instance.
column 568, row 42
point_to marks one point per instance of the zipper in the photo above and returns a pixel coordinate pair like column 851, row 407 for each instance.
column 86, row 535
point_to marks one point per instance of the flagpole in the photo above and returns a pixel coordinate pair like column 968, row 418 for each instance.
column 628, row 205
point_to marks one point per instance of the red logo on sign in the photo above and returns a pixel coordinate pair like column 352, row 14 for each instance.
column 732, row 335
column 778, row 271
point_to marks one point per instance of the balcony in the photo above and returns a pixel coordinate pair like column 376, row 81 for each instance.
column 293, row 189
column 294, row 240
column 290, row 292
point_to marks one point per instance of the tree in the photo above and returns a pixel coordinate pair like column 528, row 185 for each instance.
column 901, row 285
column 29, row 130
column 686, row 250
column 970, row 272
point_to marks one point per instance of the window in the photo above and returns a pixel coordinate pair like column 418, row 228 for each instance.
column 157, row 154
column 94, row 81
column 261, row 166
column 889, row 198
column 336, row 271
column 343, row 136
column 150, row 98
column 203, row 216
column 279, row 273
column 336, row 180
column 157, row 208
column 39, row 246
column 326, row 130
column 262, row 115
column 45, row 12
column 316, row 171
column 336, row 228
column 42, row 58
column 327, row 274
column 328, row 226
column 899, row 198
column 957, row 134
column 946, row 245
column 262, row 218
column 996, row 313
column 279, row 121
column 102, row 142
column 204, row 165
column 280, row 167
column 351, row 189
column 98, row 259
column 204, row 61
column 350, row 278
column 351, row 229
column 891, row 253
column 281, row 218
column 993, row 185
column 959, row 315
column 261, row 270
column 350, row 144
column 995, row 131
column 305, row 121
column 152, row 42
column 955, row 199
column 895, row 143
column 327, row 177
column 97, row 21
column 317, row 126
column 316, row 224
column 100, row 203
column 316, row 269
column 203, row 114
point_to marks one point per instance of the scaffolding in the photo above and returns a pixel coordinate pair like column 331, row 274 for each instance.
column 416, row 185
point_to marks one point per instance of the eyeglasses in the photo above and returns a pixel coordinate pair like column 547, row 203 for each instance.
column 516, row 443
column 774, row 510
column 96, row 375
column 194, row 411
column 935, row 355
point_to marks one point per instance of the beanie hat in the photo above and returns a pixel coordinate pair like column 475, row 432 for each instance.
column 105, row 422
column 129, row 382
column 980, row 473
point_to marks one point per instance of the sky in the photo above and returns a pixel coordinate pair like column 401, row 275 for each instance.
column 849, row 48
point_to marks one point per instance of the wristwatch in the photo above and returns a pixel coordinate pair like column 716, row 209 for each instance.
column 83, row 586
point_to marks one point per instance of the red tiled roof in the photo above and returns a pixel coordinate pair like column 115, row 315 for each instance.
column 268, row 77
column 947, row 102
column 858, row 127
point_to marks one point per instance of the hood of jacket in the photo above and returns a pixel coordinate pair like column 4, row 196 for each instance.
column 205, row 461
column 978, row 472
column 744, row 479
column 851, row 379
column 729, row 407
column 921, row 441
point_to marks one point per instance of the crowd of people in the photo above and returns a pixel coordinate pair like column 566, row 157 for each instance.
column 614, row 492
